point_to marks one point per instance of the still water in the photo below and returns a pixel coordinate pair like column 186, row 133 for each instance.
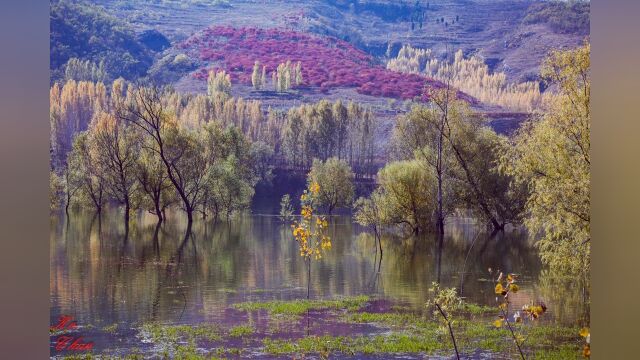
column 102, row 274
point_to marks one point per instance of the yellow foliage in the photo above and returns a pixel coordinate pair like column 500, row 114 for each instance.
column 472, row 76
column 311, row 235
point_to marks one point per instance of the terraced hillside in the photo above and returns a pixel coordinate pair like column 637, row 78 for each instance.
column 501, row 32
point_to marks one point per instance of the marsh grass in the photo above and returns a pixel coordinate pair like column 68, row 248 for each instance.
column 299, row 307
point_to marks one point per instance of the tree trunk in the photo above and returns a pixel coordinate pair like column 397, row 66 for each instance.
column 308, row 278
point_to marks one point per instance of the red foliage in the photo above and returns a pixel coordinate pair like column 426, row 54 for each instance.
column 327, row 62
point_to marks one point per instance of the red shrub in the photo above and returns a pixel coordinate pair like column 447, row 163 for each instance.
column 326, row 62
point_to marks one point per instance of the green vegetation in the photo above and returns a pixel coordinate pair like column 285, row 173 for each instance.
column 448, row 162
column 324, row 130
column 562, row 16
column 336, row 183
column 550, row 156
column 110, row 328
column 298, row 307
column 286, row 209
column 172, row 333
column 404, row 196
column 135, row 154
column 241, row 331
column 83, row 32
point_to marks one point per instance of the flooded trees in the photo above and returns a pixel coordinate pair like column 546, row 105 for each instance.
column 116, row 148
column 336, row 183
column 323, row 130
column 405, row 193
column 551, row 157
column 462, row 152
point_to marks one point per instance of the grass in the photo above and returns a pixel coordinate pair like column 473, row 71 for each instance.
column 241, row 331
column 404, row 332
column 111, row 329
column 172, row 333
column 394, row 343
column 299, row 307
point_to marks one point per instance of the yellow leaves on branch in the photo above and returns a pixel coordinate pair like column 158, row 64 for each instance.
column 586, row 349
column 311, row 235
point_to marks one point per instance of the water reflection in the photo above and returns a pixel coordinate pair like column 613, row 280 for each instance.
column 104, row 273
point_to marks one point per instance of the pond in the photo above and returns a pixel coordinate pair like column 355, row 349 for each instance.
column 113, row 281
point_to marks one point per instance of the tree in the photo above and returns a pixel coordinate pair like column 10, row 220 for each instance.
column 232, row 171
column 219, row 84
column 154, row 182
column 116, row 150
column 286, row 209
column 422, row 131
column 83, row 170
column 551, row 157
column 406, row 195
column 336, row 183
column 180, row 151
column 370, row 212
column 256, row 79
column 56, row 190
column 473, row 146
column 310, row 232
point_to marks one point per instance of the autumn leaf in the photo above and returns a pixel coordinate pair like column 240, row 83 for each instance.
column 584, row 332
column 498, row 323
column 499, row 289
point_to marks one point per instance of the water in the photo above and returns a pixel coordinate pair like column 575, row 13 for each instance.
column 102, row 275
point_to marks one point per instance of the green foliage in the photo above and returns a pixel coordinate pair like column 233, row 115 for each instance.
column 84, row 172
column 551, row 157
column 571, row 17
column 56, row 191
column 336, row 183
column 325, row 130
column 76, row 69
column 170, row 68
column 446, row 298
column 405, row 195
column 461, row 153
column 241, row 331
column 86, row 32
column 298, row 307
column 286, row 209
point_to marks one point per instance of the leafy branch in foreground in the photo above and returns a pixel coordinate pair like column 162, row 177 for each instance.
column 586, row 349
column 504, row 287
column 444, row 302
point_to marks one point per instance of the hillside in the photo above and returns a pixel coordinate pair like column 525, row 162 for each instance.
column 342, row 45
column 511, row 35
column 85, row 32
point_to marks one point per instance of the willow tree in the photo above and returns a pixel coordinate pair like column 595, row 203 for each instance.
column 180, row 150
column 116, row 148
column 405, row 195
column 551, row 156
column 84, row 171
column 336, row 183
column 158, row 192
